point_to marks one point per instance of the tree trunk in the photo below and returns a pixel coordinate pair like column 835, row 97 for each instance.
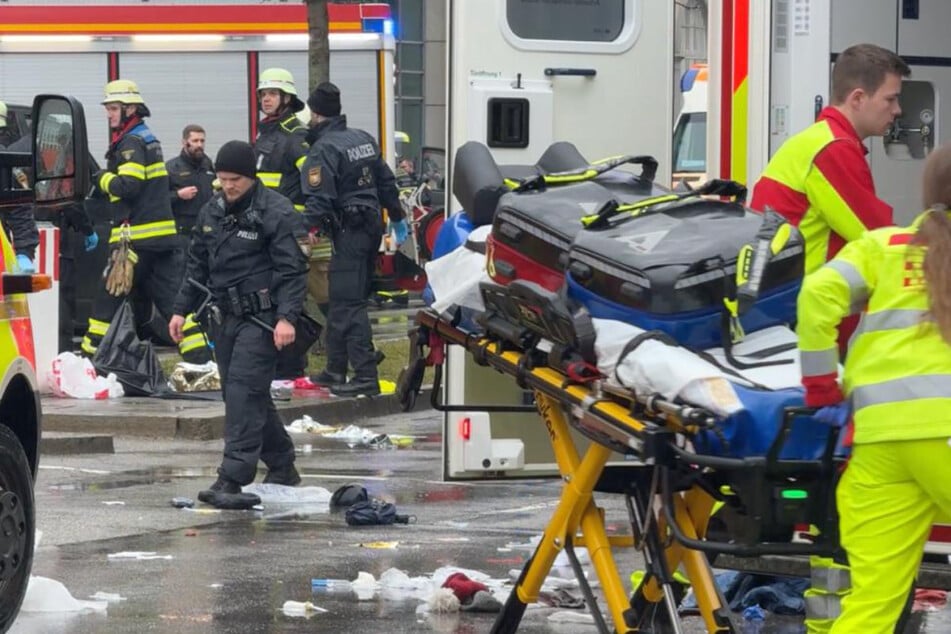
column 318, row 49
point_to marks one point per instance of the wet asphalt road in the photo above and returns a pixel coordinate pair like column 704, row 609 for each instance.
column 232, row 571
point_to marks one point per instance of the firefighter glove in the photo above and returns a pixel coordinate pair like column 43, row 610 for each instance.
column 400, row 230
column 25, row 264
column 120, row 270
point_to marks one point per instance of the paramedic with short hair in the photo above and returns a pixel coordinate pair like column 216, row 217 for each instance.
column 820, row 181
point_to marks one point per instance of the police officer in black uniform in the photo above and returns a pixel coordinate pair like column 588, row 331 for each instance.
column 190, row 178
column 244, row 248
column 346, row 181
column 280, row 148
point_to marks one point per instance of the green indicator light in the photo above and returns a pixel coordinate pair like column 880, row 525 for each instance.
column 794, row 494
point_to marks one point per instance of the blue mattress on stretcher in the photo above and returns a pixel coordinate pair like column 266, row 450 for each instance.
column 752, row 431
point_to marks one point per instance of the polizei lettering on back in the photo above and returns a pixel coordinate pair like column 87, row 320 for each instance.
column 360, row 152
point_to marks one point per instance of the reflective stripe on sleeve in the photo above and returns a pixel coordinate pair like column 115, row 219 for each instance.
column 144, row 232
column 270, row 179
column 858, row 291
column 135, row 170
column 156, row 170
column 819, row 362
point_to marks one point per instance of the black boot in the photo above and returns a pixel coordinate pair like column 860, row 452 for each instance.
column 286, row 476
column 221, row 485
column 226, row 494
column 357, row 387
column 327, row 379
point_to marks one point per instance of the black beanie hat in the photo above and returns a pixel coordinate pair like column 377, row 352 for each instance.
column 236, row 157
column 325, row 100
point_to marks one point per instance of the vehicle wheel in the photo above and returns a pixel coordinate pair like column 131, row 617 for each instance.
column 17, row 526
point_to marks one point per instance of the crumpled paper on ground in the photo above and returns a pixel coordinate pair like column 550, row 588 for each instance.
column 194, row 377
column 307, row 425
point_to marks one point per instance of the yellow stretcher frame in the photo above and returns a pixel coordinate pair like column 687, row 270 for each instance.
column 578, row 521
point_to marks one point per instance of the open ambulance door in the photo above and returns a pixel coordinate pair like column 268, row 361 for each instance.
column 770, row 73
column 522, row 75
column 53, row 171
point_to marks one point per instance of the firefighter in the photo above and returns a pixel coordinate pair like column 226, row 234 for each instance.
column 190, row 176
column 820, row 181
column 136, row 185
column 897, row 382
column 346, row 181
column 280, row 149
column 244, row 247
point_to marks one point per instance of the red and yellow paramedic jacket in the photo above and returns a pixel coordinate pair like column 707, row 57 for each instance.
column 898, row 372
column 821, row 183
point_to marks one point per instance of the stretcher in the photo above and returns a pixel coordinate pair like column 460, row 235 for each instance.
column 670, row 489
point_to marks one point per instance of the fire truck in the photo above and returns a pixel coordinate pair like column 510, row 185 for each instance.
column 196, row 63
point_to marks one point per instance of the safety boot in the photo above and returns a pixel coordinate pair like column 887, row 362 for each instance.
column 357, row 387
column 326, row 378
column 286, row 476
column 221, row 486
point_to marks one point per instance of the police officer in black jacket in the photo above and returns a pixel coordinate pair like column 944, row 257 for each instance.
column 190, row 178
column 346, row 182
column 244, row 248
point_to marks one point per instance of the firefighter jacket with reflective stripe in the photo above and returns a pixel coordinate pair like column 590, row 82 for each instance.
column 344, row 170
column 898, row 370
column 820, row 182
column 250, row 245
column 184, row 171
column 280, row 149
column 136, row 183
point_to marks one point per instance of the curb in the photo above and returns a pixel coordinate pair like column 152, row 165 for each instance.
column 56, row 444
column 197, row 420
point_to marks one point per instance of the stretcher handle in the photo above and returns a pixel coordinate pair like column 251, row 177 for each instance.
column 739, row 550
column 648, row 172
column 713, row 187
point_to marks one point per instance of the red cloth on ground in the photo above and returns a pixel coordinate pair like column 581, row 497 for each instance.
column 462, row 586
column 928, row 599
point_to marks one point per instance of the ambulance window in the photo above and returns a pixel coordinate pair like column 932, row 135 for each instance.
column 690, row 143
column 575, row 21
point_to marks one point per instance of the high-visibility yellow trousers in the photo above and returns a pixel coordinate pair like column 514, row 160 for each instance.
column 888, row 500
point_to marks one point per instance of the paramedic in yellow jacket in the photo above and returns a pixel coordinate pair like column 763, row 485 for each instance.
column 897, row 380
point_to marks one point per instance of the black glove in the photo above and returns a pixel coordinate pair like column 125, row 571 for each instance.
column 326, row 223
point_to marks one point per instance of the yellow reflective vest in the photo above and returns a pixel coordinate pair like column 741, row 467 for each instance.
column 898, row 370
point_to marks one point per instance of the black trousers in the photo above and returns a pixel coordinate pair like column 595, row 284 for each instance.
column 253, row 428
column 349, row 338
column 157, row 277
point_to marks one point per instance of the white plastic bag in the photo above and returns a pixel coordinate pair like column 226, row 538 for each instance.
column 73, row 376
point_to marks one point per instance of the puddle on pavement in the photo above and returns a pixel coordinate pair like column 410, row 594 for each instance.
column 125, row 479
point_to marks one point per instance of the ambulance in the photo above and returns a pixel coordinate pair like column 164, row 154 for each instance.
column 600, row 75
column 61, row 178
column 690, row 131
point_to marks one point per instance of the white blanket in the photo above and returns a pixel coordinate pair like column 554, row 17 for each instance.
column 455, row 276
column 675, row 372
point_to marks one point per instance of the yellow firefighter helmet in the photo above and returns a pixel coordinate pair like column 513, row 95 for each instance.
column 281, row 79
